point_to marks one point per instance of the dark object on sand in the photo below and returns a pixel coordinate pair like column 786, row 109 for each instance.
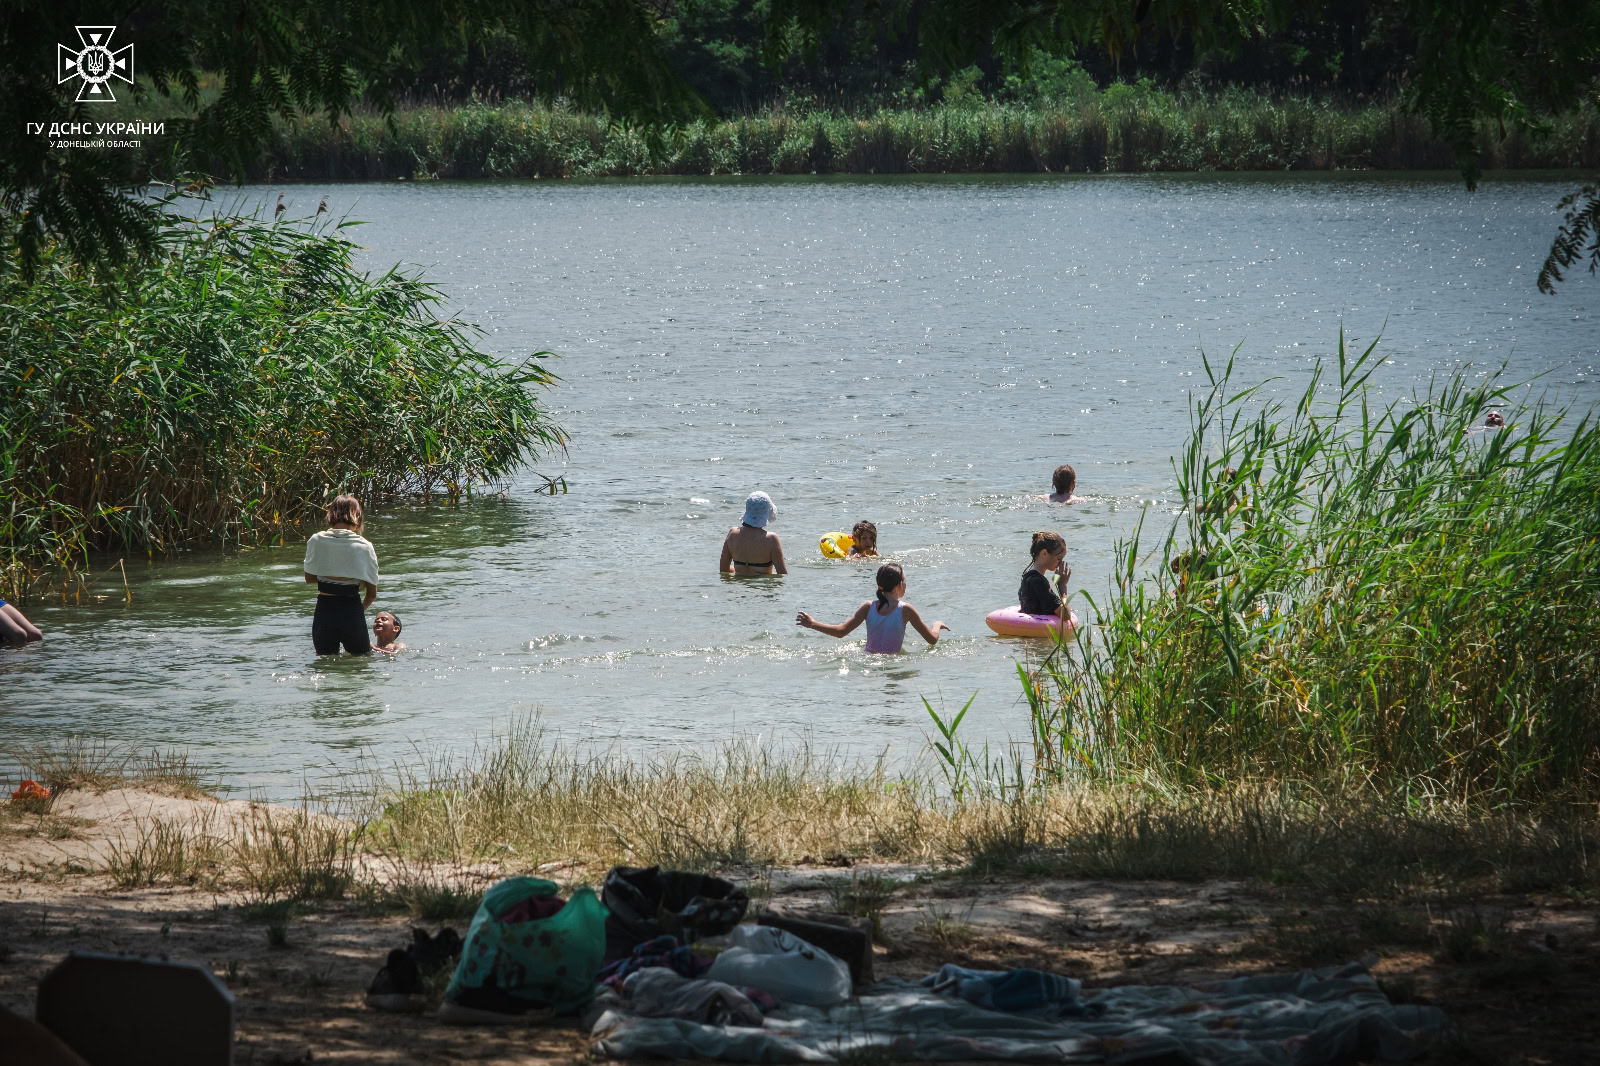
column 119, row 1011
column 646, row 902
column 845, row 938
column 26, row 1041
column 398, row 984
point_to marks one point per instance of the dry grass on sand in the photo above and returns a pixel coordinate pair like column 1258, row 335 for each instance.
column 1493, row 919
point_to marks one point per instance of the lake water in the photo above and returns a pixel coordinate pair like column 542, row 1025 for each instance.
column 918, row 352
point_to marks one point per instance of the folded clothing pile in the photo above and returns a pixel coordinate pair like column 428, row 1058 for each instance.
column 656, row 992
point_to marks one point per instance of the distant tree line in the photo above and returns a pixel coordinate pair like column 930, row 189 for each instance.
column 870, row 58
column 1463, row 65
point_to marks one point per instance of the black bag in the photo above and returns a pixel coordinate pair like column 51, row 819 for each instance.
column 643, row 903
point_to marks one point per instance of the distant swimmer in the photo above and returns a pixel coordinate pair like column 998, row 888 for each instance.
column 749, row 550
column 886, row 617
column 386, row 632
column 15, row 629
column 342, row 564
column 1494, row 420
column 1065, row 479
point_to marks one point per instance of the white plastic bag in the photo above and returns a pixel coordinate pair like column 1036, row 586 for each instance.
column 777, row 961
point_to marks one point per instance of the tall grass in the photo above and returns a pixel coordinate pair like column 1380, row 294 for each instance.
column 524, row 800
column 1387, row 594
column 429, row 839
column 222, row 392
column 1126, row 128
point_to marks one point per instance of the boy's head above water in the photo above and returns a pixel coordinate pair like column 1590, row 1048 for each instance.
column 386, row 627
column 1065, row 479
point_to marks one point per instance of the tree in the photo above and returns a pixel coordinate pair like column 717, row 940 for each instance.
column 276, row 58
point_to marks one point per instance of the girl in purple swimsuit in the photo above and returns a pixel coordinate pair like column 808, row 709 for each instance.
column 886, row 617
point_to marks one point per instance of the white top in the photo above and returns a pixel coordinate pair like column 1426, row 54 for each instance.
column 342, row 553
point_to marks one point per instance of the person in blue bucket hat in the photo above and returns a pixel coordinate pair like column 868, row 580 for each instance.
column 749, row 550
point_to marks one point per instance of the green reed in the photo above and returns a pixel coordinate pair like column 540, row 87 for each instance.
column 223, row 392
column 1379, row 595
column 1125, row 128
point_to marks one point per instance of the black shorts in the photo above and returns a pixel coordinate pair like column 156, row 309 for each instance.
column 340, row 619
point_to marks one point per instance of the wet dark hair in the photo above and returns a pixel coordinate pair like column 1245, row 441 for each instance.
column 864, row 526
column 1046, row 539
column 889, row 578
column 1064, row 479
column 345, row 510
column 397, row 624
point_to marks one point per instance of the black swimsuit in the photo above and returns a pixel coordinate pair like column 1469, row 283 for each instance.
column 340, row 619
column 1035, row 596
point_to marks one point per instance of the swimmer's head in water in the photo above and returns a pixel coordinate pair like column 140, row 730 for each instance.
column 864, row 535
column 345, row 511
column 758, row 510
column 1495, row 419
column 386, row 627
column 890, row 579
column 1065, row 479
column 1047, row 541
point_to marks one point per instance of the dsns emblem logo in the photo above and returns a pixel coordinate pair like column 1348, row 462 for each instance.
column 95, row 63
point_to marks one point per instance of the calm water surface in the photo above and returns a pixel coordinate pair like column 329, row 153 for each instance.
column 918, row 352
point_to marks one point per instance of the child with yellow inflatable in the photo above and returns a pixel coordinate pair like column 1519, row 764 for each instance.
column 860, row 543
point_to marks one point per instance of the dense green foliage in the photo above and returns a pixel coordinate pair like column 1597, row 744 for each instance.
column 1390, row 594
column 1460, row 66
column 1127, row 128
column 865, row 59
column 278, row 59
column 225, row 390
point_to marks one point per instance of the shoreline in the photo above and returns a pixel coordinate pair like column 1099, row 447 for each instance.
column 298, row 937
column 1111, row 132
column 1438, row 176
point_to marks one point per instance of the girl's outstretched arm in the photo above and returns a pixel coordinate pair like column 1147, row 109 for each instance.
column 842, row 629
column 929, row 633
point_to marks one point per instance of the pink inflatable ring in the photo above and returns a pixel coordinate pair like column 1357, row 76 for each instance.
column 1011, row 622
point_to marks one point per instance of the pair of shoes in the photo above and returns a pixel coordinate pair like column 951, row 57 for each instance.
column 398, row 984
column 431, row 953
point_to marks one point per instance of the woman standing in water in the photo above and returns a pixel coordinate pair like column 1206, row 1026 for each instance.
column 749, row 550
column 342, row 564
